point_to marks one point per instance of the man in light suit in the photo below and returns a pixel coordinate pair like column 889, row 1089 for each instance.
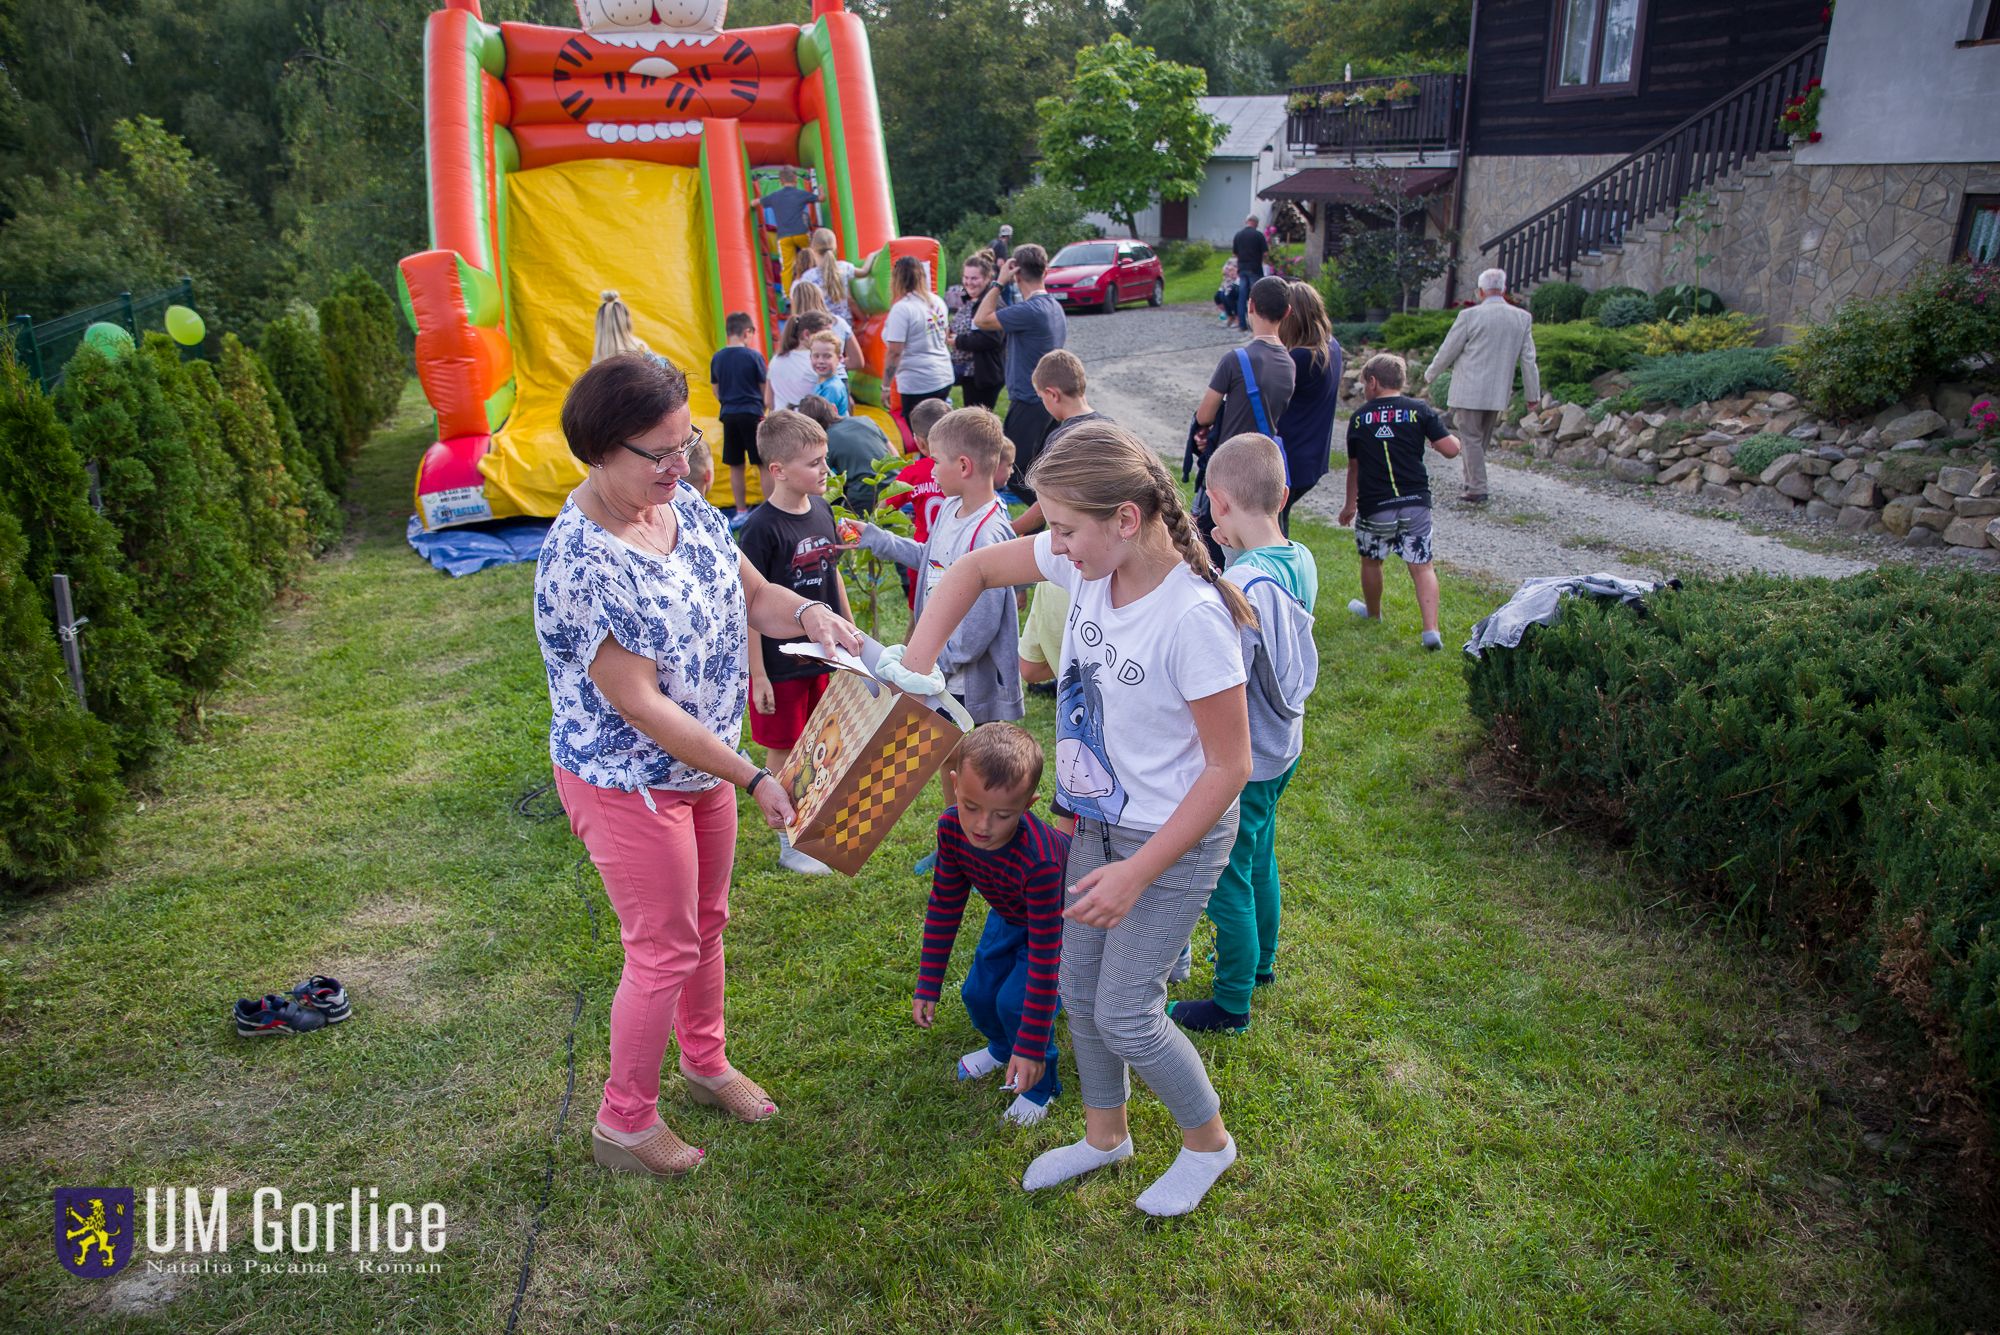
column 1485, row 342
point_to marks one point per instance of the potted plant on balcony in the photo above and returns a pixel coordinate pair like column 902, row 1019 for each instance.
column 1299, row 102
column 1402, row 95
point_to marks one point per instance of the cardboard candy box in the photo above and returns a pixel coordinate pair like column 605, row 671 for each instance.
column 865, row 754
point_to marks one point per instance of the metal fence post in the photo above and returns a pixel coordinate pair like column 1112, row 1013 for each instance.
column 131, row 315
column 25, row 346
column 67, row 626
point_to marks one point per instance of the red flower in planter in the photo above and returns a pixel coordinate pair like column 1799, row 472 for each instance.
column 1826, row 15
column 1812, row 83
column 1813, row 138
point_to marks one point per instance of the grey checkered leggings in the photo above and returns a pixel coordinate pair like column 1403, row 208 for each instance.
column 1114, row 983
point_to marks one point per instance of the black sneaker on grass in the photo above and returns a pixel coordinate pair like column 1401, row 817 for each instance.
column 324, row 995
column 275, row 1016
column 1205, row 1017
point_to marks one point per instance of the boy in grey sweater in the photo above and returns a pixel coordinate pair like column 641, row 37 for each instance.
column 980, row 662
column 1246, row 489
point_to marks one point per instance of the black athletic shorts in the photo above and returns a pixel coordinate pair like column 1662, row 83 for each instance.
column 739, row 439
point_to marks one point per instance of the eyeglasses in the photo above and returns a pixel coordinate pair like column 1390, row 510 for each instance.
column 661, row 460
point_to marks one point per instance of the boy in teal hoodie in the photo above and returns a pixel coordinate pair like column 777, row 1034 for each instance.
column 1246, row 490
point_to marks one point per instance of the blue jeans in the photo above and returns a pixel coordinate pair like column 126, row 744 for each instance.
column 994, row 990
column 1242, row 311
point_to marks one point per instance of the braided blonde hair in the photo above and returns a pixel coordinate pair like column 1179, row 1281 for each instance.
column 1098, row 466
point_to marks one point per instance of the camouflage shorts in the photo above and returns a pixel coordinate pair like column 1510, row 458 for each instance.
column 1404, row 531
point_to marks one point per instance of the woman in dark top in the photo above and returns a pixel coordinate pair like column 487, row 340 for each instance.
column 976, row 354
column 1307, row 423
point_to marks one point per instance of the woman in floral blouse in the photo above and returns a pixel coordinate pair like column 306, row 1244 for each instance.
column 643, row 607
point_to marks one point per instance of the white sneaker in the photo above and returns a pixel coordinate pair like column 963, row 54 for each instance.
column 803, row 863
column 1184, row 966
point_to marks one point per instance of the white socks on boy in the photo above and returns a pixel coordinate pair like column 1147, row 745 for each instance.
column 978, row 1064
column 1067, row 1161
column 1024, row 1111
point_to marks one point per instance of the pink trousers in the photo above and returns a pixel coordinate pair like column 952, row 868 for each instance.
column 667, row 873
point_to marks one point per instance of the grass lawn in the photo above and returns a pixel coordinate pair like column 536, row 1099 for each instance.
column 1495, row 1087
column 1199, row 286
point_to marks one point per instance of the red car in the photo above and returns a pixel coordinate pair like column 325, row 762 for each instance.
column 1105, row 273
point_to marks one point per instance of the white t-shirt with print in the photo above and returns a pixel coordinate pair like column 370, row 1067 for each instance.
column 952, row 534
column 918, row 321
column 1126, row 747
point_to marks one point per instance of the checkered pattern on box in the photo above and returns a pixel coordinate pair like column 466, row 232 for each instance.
column 890, row 779
column 847, row 703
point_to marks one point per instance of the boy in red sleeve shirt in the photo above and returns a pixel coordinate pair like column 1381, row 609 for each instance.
column 991, row 842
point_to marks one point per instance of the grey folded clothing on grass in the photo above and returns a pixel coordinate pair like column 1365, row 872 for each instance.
column 1539, row 602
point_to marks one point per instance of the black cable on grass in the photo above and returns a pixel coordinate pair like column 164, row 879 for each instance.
column 532, row 806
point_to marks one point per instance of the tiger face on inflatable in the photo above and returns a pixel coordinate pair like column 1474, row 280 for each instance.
column 648, row 25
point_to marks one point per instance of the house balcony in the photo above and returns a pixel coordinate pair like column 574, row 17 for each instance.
column 1408, row 114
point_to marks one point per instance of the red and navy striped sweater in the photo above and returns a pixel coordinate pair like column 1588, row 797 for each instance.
column 1023, row 883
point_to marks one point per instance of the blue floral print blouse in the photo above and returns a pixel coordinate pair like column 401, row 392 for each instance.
column 684, row 611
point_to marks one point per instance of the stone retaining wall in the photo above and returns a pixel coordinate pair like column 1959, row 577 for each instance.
column 1792, row 245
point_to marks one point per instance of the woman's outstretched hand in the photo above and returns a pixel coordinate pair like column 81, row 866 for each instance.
column 829, row 629
column 774, row 802
column 890, row 669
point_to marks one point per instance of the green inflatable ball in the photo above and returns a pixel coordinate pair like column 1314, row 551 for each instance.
column 185, row 327
column 110, row 339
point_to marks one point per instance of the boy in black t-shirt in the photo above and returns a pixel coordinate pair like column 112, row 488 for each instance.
column 792, row 541
column 1389, row 488
column 737, row 372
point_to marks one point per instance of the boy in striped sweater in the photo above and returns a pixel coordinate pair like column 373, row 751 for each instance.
column 991, row 842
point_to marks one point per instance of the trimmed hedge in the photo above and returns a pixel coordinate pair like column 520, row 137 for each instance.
column 358, row 324
column 296, row 355
column 1579, row 352
column 58, row 765
column 323, row 519
column 171, row 494
column 44, row 487
column 1557, row 303
column 1820, row 758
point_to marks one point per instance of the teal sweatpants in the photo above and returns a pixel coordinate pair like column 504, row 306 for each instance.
column 1244, row 907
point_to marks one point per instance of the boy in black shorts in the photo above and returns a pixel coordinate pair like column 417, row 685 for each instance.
column 1389, row 488
column 737, row 373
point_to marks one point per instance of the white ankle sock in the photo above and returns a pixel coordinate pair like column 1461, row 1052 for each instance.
column 1182, row 1186
column 627, row 1138
column 1024, row 1111
column 977, row 1065
column 1068, row 1161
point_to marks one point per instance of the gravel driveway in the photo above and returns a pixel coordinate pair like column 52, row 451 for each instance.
column 1148, row 368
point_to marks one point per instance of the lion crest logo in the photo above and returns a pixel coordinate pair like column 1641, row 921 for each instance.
column 94, row 1230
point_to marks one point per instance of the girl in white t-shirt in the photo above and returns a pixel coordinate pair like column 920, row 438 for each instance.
column 1152, row 749
column 790, row 376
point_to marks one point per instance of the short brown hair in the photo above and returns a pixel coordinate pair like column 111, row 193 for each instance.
column 925, row 417
column 1061, row 371
column 1385, row 369
column 1007, row 759
column 1250, row 469
column 785, row 434
column 619, row 398
column 1031, row 260
column 972, row 432
column 817, row 408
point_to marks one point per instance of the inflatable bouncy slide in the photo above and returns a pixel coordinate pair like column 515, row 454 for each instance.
column 630, row 154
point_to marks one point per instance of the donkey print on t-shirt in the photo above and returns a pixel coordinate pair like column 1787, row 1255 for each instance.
column 1090, row 786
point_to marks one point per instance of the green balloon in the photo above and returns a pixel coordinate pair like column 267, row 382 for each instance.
column 109, row 339
column 184, row 326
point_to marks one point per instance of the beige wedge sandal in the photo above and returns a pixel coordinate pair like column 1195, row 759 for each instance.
column 742, row 1098
column 663, row 1154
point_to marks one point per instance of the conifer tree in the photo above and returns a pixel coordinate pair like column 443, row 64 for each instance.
column 43, row 485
